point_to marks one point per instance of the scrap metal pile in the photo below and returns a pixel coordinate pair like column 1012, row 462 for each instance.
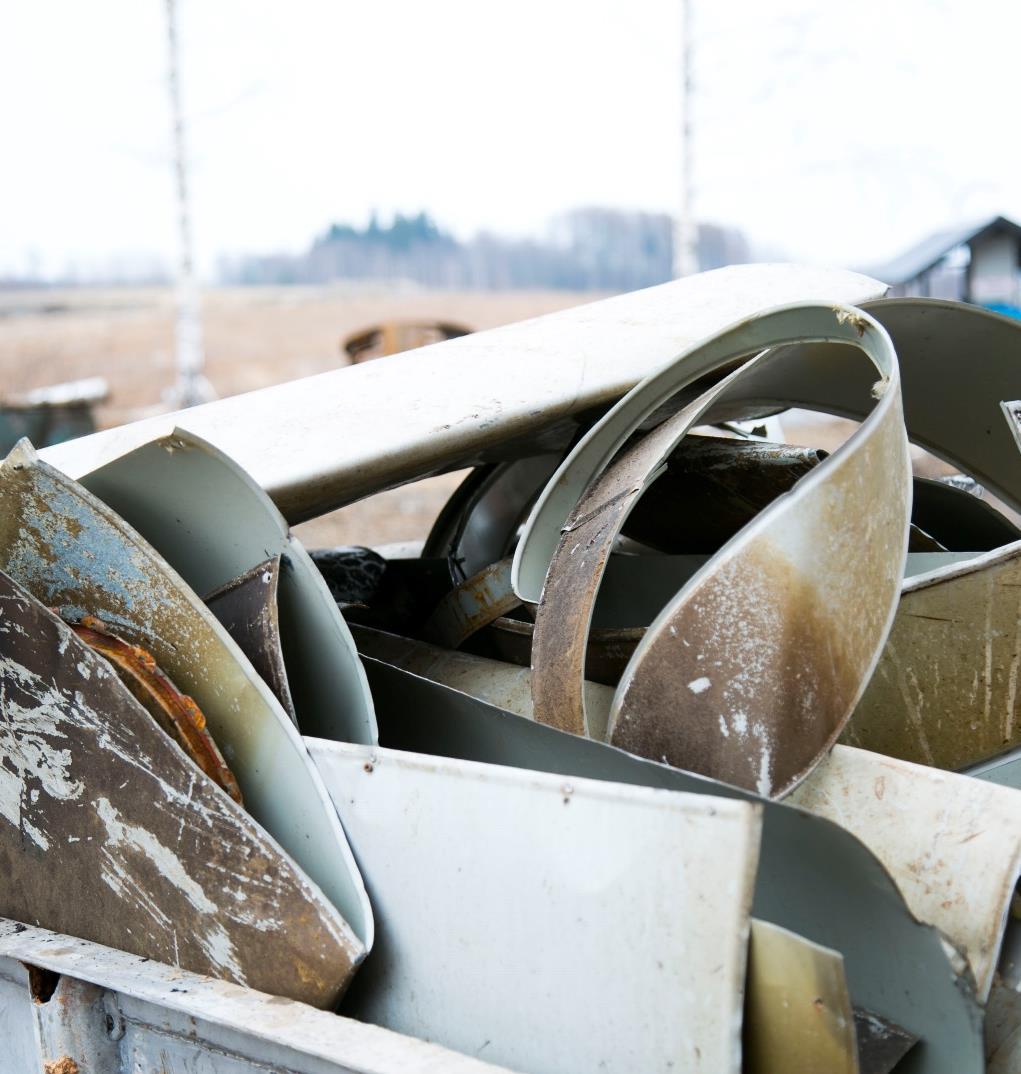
column 669, row 751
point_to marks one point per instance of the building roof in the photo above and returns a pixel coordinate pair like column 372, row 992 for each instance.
column 930, row 251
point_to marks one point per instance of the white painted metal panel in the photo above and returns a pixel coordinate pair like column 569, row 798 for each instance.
column 145, row 1016
column 555, row 925
column 316, row 443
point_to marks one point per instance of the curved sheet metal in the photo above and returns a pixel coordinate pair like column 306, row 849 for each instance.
column 109, row 832
column 946, row 689
column 71, row 551
column 952, row 843
column 551, row 925
column 478, row 524
column 958, row 363
column 959, row 520
column 247, row 608
column 506, row 392
column 719, row 684
column 814, row 878
column 212, row 522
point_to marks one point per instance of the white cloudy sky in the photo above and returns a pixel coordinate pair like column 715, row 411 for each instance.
column 836, row 132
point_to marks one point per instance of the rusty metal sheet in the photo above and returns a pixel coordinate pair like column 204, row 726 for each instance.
column 247, row 608
column 513, row 906
column 798, row 1014
column 814, row 878
column 108, row 832
column 471, row 605
column 211, row 523
column 72, row 552
column 952, row 843
column 802, row 565
column 505, row 392
column 945, row 691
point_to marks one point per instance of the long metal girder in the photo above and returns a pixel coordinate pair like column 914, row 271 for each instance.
column 317, row 443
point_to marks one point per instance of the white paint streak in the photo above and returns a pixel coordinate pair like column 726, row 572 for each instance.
column 700, row 685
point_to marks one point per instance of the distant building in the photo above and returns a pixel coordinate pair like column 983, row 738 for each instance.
column 978, row 263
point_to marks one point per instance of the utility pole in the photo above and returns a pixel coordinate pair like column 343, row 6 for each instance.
column 190, row 386
column 685, row 228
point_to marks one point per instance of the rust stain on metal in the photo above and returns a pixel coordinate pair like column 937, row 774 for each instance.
column 175, row 712
column 64, row 1065
column 247, row 608
column 165, row 865
column 470, row 606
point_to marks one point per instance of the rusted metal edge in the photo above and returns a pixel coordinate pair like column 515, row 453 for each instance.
column 71, row 551
column 110, row 832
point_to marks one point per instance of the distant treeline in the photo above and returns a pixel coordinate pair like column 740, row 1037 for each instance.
column 588, row 249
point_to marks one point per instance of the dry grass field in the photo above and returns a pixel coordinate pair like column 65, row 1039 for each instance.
column 253, row 337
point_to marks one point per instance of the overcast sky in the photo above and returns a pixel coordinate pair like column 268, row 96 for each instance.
column 836, row 133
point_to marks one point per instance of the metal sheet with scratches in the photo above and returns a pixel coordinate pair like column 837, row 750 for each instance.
column 212, row 522
column 70, row 550
column 111, row 833
column 507, row 392
column 814, row 878
column 137, row 1015
column 534, row 897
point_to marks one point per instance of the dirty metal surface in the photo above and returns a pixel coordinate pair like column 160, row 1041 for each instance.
column 160, row 862
column 956, row 415
column 761, row 702
column 212, row 523
column 515, row 383
column 247, row 608
column 881, row 1044
column 471, row 605
column 945, row 691
column 952, row 843
column 136, row 1015
column 479, row 523
column 798, row 1014
column 814, row 878
column 565, row 887
column 507, row 686
column 772, row 643
column 70, row 551
column 176, row 713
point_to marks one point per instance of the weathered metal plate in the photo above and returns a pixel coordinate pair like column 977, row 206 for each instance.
column 112, row 834
column 750, row 671
column 945, row 691
column 247, row 608
column 507, row 686
column 534, row 897
column 798, row 1014
column 471, row 605
column 814, row 878
column 114, row 1013
column 952, row 844
column 71, row 551
column 505, row 392
column 211, row 522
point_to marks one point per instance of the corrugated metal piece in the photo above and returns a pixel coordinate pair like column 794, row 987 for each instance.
column 513, row 905
column 114, row 835
column 138, row 1015
column 952, row 844
column 798, row 1014
column 506, row 391
column 212, row 522
column 247, row 608
column 814, row 878
column 71, row 551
